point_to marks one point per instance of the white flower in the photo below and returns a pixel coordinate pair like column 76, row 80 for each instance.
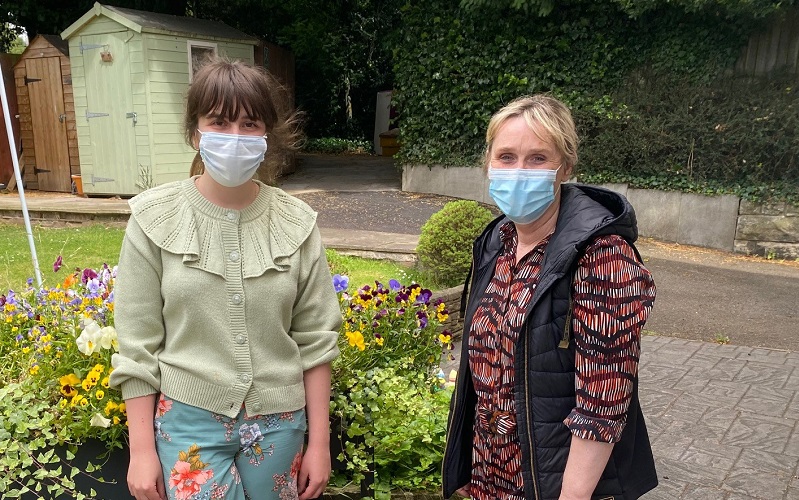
column 99, row 421
column 108, row 338
column 89, row 339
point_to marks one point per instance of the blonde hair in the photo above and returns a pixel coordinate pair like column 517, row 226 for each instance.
column 229, row 87
column 543, row 110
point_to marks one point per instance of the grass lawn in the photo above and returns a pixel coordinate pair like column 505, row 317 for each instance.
column 93, row 245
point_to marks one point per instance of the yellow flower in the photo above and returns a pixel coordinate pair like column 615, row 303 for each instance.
column 105, row 383
column 83, row 401
column 122, row 407
column 70, row 379
column 110, row 406
column 75, row 400
column 26, row 350
column 98, row 368
column 356, row 340
column 115, row 420
column 86, row 384
column 63, row 403
column 442, row 317
column 99, row 394
column 379, row 340
column 33, row 370
column 445, row 339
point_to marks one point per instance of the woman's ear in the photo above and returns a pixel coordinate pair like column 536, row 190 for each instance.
column 195, row 139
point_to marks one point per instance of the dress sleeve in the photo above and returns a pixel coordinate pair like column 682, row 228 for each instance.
column 138, row 315
column 613, row 296
column 316, row 317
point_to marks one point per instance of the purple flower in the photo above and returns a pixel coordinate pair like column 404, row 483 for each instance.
column 394, row 285
column 340, row 282
column 57, row 264
column 2, row 300
column 30, row 281
column 400, row 311
column 424, row 296
column 382, row 313
column 93, row 285
column 88, row 274
column 421, row 319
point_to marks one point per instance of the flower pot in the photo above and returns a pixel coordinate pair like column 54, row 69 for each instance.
column 78, row 183
column 109, row 481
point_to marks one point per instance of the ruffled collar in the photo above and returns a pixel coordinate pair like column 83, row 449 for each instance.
column 179, row 220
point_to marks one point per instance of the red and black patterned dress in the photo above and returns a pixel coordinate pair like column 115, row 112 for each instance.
column 613, row 295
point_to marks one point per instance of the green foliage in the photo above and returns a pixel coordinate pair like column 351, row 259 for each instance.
column 736, row 137
column 648, row 88
column 445, row 245
column 401, row 416
column 334, row 145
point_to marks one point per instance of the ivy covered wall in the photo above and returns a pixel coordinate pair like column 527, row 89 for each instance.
column 650, row 85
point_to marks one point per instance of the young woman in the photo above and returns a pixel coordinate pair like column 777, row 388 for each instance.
column 226, row 312
column 546, row 405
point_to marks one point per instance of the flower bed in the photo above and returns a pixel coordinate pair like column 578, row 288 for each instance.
column 56, row 406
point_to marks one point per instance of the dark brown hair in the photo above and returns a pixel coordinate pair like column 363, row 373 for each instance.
column 226, row 88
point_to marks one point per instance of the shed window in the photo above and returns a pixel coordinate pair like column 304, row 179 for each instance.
column 198, row 51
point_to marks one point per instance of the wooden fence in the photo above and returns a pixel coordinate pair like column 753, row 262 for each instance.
column 776, row 49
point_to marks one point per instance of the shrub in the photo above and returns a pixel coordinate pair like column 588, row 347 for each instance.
column 445, row 245
column 334, row 145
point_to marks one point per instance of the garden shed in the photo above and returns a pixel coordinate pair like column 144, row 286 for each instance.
column 47, row 114
column 130, row 73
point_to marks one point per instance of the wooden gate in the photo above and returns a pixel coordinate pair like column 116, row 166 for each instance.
column 48, row 117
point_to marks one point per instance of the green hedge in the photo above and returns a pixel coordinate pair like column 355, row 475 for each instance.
column 652, row 96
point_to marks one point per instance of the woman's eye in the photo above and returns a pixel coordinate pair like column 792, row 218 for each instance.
column 506, row 158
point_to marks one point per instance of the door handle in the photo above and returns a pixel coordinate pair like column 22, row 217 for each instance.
column 62, row 117
column 134, row 116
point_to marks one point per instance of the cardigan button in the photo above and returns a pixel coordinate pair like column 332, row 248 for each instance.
column 236, row 299
column 234, row 256
column 231, row 216
column 245, row 379
column 241, row 339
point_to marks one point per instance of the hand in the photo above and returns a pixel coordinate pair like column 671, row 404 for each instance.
column 145, row 477
column 314, row 472
column 465, row 492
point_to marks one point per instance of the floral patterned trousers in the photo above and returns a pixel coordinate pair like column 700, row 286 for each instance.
column 206, row 456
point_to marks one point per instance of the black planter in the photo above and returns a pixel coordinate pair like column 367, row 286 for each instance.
column 112, row 469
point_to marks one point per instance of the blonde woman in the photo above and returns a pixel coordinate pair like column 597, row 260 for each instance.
column 546, row 405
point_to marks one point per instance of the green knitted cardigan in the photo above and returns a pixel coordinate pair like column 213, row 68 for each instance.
column 220, row 308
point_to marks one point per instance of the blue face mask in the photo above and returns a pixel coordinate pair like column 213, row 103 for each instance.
column 522, row 194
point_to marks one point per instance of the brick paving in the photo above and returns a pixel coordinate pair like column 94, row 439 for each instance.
column 722, row 419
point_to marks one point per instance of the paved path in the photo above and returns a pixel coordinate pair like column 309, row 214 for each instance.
column 722, row 418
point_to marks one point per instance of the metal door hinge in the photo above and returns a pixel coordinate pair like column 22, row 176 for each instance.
column 90, row 114
column 31, row 80
column 96, row 179
column 90, row 46
column 134, row 116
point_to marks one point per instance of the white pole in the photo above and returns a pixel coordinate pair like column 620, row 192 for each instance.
column 13, row 147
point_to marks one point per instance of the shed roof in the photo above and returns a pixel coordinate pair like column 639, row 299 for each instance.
column 58, row 43
column 152, row 22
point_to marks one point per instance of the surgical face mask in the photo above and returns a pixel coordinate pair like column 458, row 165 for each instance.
column 231, row 159
column 522, row 194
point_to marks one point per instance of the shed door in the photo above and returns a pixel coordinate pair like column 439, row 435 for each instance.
column 109, row 99
column 48, row 118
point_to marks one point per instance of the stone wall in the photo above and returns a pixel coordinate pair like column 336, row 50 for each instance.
column 724, row 222
column 452, row 299
column 770, row 230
